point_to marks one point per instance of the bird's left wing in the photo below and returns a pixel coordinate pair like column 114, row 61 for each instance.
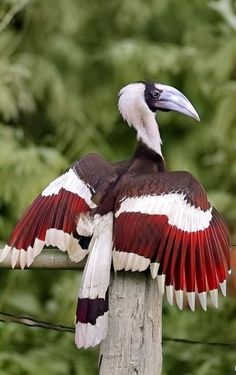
column 165, row 221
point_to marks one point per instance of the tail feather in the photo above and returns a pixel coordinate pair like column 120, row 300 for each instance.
column 92, row 308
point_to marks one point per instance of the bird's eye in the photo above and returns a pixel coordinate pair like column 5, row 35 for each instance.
column 156, row 94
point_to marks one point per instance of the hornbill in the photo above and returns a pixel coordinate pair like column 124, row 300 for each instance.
column 133, row 211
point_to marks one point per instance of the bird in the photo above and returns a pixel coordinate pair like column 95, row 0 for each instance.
column 132, row 214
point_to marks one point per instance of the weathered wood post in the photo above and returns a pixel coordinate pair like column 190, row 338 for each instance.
column 133, row 345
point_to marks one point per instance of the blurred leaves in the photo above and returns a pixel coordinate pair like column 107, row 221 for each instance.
column 200, row 359
column 226, row 10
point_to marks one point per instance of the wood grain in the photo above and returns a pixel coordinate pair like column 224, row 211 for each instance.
column 133, row 345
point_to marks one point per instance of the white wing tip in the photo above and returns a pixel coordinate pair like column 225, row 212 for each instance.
column 179, row 298
column 30, row 256
column 17, row 256
column 214, row 297
column 223, row 287
column 14, row 257
column 154, row 269
column 170, row 294
column 23, row 259
column 203, row 300
column 88, row 335
column 5, row 252
column 191, row 300
column 192, row 296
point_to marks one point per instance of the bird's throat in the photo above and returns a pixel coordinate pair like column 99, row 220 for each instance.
column 148, row 133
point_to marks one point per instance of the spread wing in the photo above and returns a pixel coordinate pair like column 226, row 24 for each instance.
column 63, row 215
column 166, row 222
column 52, row 217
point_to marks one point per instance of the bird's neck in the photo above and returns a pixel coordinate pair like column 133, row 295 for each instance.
column 143, row 155
column 148, row 132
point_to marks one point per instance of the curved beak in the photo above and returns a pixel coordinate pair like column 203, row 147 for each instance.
column 171, row 99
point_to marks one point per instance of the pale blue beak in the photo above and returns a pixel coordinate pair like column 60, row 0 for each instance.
column 172, row 99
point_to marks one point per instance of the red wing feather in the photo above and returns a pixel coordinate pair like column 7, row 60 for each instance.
column 51, row 220
column 186, row 245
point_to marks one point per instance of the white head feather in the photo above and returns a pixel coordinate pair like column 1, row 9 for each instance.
column 136, row 112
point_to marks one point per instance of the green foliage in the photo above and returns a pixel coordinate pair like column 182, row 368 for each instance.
column 61, row 66
column 206, row 326
column 25, row 169
column 50, row 296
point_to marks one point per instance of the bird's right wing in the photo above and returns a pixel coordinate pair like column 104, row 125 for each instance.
column 63, row 215
column 52, row 218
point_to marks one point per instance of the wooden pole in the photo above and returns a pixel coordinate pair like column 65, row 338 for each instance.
column 133, row 345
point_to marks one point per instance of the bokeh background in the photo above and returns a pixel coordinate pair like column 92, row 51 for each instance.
column 61, row 66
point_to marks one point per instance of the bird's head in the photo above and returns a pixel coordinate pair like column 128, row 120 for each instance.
column 138, row 102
